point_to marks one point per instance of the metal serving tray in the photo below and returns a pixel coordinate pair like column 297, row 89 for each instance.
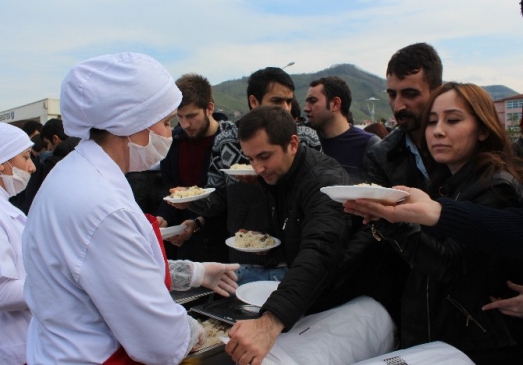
column 212, row 355
column 193, row 294
column 228, row 310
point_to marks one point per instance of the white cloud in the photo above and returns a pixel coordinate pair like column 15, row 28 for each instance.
column 479, row 41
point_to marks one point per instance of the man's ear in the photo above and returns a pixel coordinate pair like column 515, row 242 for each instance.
column 56, row 140
column 210, row 109
column 293, row 145
column 253, row 102
column 336, row 104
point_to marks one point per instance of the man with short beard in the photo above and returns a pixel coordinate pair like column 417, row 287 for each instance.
column 328, row 106
column 413, row 73
column 186, row 165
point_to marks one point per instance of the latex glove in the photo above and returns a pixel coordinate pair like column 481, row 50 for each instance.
column 198, row 335
column 220, row 278
column 202, row 336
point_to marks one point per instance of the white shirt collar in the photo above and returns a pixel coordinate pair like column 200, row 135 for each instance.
column 104, row 164
column 9, row 208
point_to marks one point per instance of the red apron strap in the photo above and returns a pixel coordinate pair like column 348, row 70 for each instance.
column 154, row 222
column 120, row 357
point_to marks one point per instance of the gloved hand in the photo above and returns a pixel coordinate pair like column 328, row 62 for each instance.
column 198, row 335
column 202, row 336
column 218, row 277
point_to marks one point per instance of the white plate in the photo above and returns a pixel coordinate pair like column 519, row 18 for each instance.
column 230, row 242
column 239, row 172
column 208, row 192
column 172, row 231
column 343, row 193
column 256, row 292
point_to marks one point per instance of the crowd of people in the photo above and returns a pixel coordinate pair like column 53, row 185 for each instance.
column 79, row 245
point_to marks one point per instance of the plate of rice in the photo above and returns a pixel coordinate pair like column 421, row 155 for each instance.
column 342, row 193
column 239, row 169
column 250, row 241
column 188, row 195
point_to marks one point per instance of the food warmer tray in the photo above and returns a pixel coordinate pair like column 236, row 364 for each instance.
column 227, row 310
column 212, row 355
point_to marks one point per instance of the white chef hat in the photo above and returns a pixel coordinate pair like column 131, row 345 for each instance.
column 122, row 93
column 13, row 141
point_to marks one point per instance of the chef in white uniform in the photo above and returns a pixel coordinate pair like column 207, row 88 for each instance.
column 96, row 274
column 15, row 169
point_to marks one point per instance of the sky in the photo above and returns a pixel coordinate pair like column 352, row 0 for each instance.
column 478, row 41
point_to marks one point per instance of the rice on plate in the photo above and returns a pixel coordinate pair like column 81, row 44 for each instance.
column 251, row 239
column 192, row 191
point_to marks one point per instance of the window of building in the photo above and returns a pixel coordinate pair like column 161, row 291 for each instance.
column 513, row 118
column 514, row 104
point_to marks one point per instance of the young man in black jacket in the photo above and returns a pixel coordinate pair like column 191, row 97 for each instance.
column 241, row 200
column 318, row 247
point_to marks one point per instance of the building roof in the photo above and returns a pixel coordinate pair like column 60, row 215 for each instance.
column 518, row 96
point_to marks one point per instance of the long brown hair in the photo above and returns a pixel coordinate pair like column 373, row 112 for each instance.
column 494, row 154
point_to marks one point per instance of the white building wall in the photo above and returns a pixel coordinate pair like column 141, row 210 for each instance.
column 41, row 111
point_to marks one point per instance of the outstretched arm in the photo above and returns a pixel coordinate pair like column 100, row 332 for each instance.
column 417, row 208
column 512, row 306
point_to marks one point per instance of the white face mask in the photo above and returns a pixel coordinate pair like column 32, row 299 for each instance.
column 16, row 183
column 142, row 158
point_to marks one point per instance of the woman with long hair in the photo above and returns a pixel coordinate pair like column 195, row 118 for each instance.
column 471, row 160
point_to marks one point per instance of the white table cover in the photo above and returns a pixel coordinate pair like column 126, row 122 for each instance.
column 357, row 330
column 433, row 353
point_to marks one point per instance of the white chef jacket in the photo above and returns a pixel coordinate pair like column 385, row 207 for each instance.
column 14, row 313
column 95, row 277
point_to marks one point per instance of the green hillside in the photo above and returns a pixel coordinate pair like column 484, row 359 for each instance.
column 230, row 96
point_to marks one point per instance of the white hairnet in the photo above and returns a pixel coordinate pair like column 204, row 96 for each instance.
column 13, row 141
column 122, row 93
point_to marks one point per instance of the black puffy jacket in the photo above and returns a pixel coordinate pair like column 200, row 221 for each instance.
column 450, row 282
column 242, row 203
column 314, row 232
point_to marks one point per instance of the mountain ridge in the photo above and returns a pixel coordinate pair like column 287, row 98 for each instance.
column 231, row 99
